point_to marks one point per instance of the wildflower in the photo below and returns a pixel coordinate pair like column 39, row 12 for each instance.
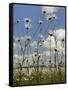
column 63, row 40
column 17, row 21
column 40, row 22
column 50, row 33
column 35, row 54
column 21, row 48
column 43, row 11
column 41, row 43
column 55, row 50
column 51, row 17
column 49, row 10
column 27, row 22
column 28, row 38
column 18, row 40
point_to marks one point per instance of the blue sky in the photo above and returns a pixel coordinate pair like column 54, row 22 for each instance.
column 35, row 14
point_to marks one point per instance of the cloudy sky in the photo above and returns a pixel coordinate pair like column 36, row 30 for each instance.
column 35, row 13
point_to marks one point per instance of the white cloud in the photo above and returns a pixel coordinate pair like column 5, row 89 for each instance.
column 49, row 41
column 60, row 34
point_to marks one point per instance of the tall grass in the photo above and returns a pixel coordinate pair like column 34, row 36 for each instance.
column 52, row 76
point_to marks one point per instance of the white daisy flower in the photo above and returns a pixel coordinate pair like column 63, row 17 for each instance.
column 40, row 22
column 49, row 9
column 27, row 22
column 28, row 38
column 51, row 17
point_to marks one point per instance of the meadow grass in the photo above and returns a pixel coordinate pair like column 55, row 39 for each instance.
column 51, row 76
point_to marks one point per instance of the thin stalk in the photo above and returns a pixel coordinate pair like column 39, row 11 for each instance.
column 34, row 34
column 38, row 57
column 62, row 55
column 32, row 58
column 50, row 54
